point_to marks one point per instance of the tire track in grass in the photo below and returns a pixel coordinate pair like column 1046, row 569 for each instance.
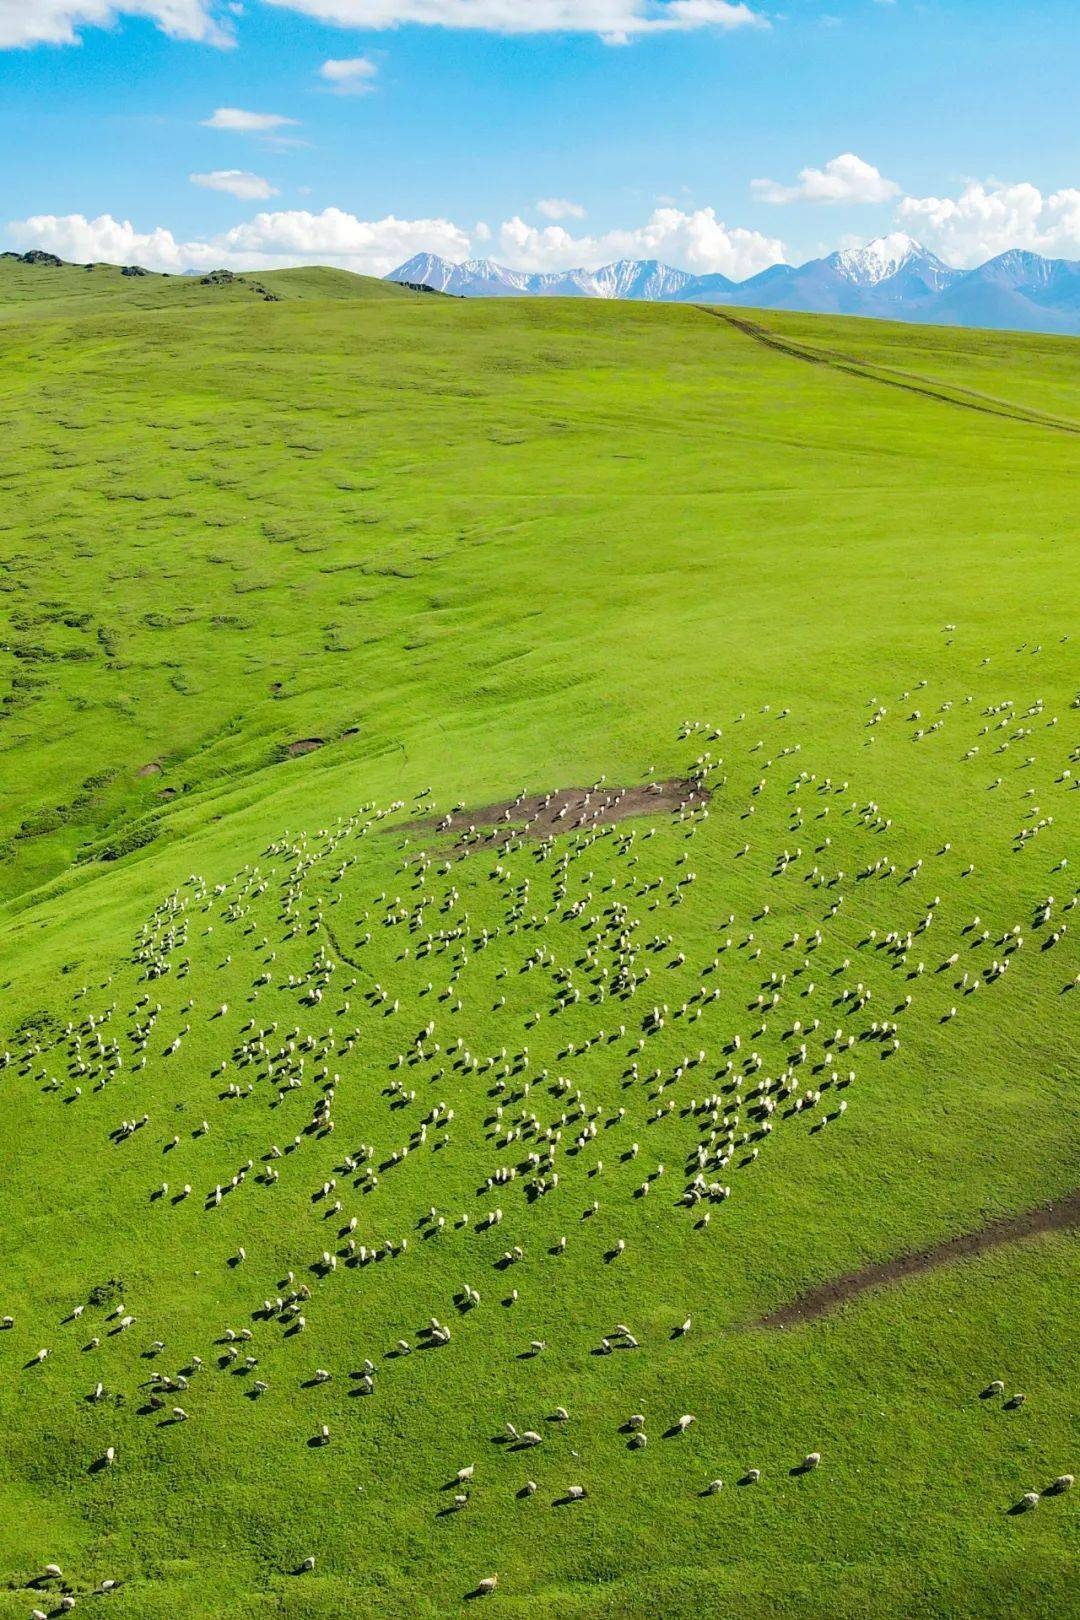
column 944, row 393
column 1060, row 1214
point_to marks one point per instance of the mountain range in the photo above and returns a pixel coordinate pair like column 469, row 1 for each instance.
column 892, row 278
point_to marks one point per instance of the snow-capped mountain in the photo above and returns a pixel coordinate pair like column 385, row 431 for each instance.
column 483, row 278
column 427, row 270
column 884, row 257
column 893, row 277
column 640, row 278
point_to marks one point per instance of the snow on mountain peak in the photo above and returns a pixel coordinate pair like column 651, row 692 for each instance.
column 892, row 278
column 879, row 259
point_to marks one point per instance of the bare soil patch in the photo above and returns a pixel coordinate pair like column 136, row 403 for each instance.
column 304, row 745
column 539, row 815
column 1060, row 1215
column 152, row 768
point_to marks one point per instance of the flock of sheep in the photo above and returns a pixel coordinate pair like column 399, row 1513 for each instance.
column 382, row 1008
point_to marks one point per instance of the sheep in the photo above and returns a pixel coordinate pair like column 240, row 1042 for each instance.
column 576, row 1493
column 1064, row 1482
column 487, row 1585
column 811, row 1460
column 685, row 1421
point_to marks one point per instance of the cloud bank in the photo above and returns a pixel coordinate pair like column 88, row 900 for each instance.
column 696, row 241
column 266, row 242
column 989, row 218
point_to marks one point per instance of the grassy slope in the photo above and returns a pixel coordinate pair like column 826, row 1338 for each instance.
column 517, row 545
column 74, row 289
column 984, row 363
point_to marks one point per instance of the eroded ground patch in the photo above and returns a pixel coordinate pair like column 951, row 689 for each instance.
column 539, row 815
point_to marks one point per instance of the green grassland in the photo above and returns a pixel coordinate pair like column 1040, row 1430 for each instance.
column 827, row 568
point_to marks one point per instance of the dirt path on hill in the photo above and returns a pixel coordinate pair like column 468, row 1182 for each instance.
column 1063, row 1214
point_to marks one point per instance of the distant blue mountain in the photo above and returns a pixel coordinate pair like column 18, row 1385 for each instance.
column 892, row 278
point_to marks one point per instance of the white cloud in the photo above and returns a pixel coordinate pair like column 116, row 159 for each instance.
column 237, row 182
column 335, row 236
column 56, row 22
column 246, row 123
column 616, row 21
column 266, row 242
column 73, row 236
column 350, row 75
column 559, row 208
column 695, row 241
column 989, row 218
column 844, row 179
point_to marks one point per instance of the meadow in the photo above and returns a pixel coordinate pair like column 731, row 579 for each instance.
column 316, row 1014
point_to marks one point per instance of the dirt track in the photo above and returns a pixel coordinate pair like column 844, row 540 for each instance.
column 1062, row 1214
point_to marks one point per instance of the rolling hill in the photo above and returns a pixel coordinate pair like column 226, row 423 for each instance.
column 535, row 847
column 46, row 284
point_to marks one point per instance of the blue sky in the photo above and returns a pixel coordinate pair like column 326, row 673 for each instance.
column 446, row 124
